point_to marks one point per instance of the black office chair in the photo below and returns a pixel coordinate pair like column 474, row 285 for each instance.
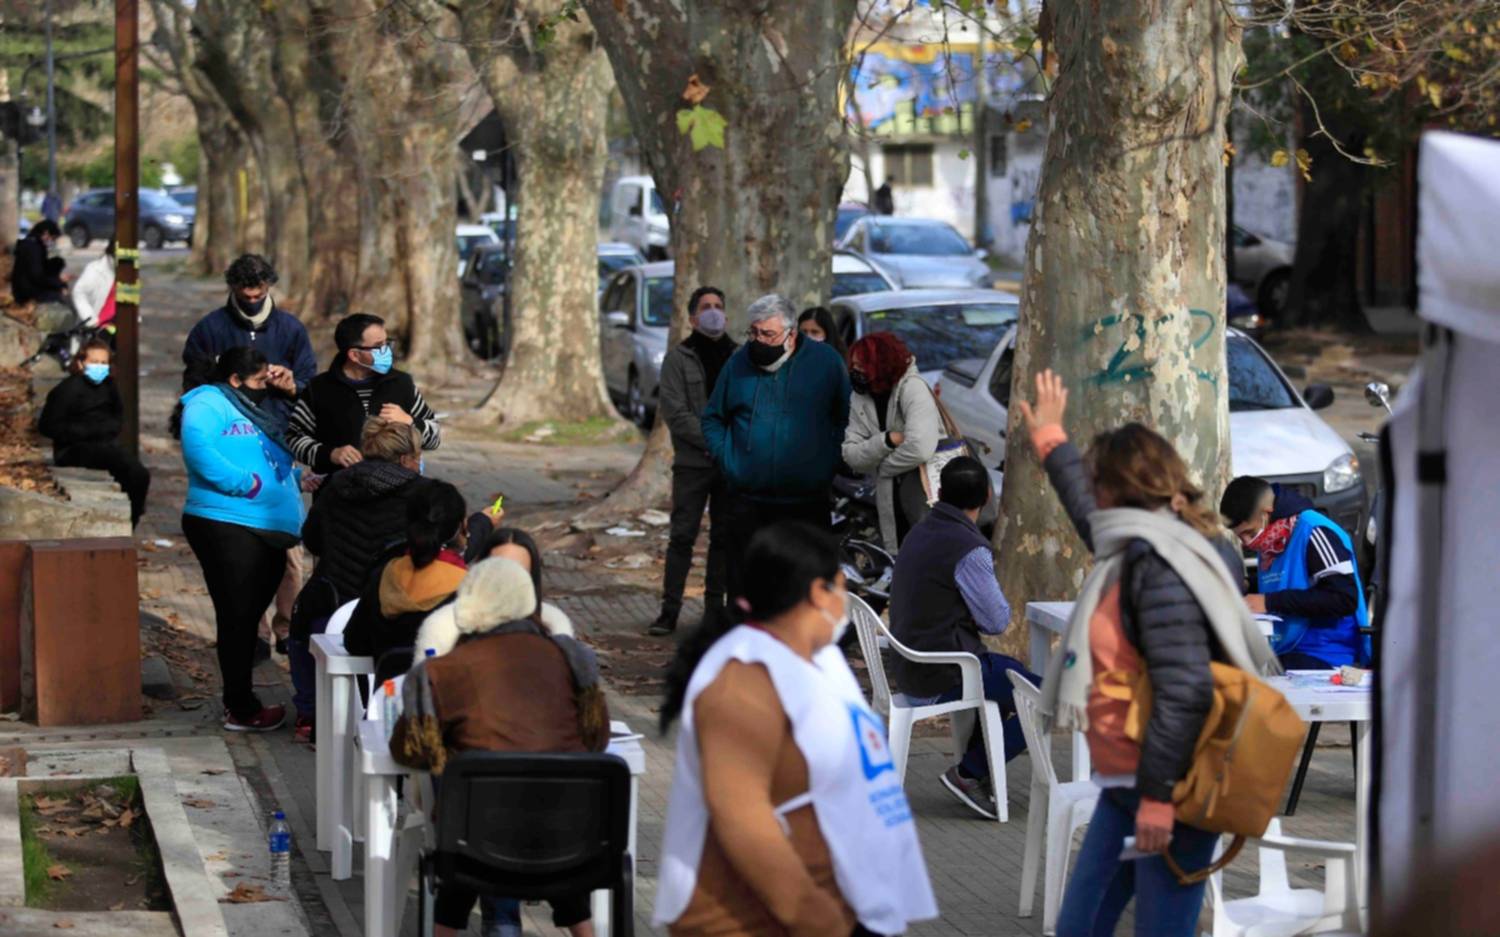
column 534, row 827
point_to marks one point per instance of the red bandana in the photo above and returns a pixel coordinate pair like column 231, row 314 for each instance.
column 1272, row 540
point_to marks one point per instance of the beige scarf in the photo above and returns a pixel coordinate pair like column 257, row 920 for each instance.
column 1065, row 690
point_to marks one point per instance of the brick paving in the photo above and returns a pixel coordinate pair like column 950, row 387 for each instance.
column 975, row 865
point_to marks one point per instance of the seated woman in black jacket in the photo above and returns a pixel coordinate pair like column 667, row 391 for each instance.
column 83, row 416
column 422, row 577
column 358, row 516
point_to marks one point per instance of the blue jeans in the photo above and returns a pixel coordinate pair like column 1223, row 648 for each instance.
column 304, row 670
column 997, row 687
column 1102, row 885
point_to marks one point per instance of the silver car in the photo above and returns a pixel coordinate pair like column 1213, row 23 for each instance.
column 635, row 313
column 919, row 252
column 1264, row 268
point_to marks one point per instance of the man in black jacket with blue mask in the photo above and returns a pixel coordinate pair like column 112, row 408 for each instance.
column 329, row 419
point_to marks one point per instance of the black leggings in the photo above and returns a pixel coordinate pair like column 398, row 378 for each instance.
column 242, row 571
column 128, row 472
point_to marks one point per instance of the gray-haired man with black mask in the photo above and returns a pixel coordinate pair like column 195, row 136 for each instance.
column 688, row 374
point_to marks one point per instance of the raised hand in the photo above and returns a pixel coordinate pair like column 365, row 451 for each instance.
column 1051, row 402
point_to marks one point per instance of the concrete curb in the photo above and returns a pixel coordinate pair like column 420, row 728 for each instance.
column 193, row 894
column 12, row 869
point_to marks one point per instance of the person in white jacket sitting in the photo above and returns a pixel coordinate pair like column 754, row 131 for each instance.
column 92, row 289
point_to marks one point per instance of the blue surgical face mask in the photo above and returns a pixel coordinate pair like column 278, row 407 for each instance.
column 381, row 359
column 96, row 372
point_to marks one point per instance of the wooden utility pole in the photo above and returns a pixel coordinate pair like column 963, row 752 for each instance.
column 127, row 212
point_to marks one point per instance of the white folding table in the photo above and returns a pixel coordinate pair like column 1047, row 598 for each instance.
column 1317, row 699
column 391, row 853
column 337, row 711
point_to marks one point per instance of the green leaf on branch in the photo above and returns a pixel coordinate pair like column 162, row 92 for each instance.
column 704, row 124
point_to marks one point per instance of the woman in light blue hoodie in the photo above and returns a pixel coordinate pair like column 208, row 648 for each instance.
column 243, row 512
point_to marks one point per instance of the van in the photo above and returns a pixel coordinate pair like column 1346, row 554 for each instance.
column 638, row 217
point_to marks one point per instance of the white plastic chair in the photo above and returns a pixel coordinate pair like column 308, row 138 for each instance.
column 903, row 714
column 339, row 620
column 1068, row 806
column 1282, row 911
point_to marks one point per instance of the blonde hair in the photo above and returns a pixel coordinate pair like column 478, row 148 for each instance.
column 1140, row 469
column 388, row 441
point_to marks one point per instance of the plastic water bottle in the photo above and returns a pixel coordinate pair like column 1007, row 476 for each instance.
column 281, row 855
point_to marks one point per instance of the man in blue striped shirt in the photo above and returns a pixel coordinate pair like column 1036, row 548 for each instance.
column 944, row 595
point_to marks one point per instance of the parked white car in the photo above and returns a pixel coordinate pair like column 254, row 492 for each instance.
column 638, row 217
column 1264, row 268
column 1273, row 431
column 470, row 236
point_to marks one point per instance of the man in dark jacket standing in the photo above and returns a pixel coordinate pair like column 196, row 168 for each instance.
column 251, row 317
column 944, row 595
column 330, row 415
column 688, row 374
column 774, row 426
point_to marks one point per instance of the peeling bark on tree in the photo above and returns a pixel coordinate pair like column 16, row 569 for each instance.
column 1124, row 285
column 407, row 91
column 757, row 216
column 554, row 100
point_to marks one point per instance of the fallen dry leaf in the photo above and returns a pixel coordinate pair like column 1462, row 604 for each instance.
column 245, row 894
column 219, row 856
column 117, row 906
column 131, row 880
column 74, row 832
column 198, row 802
column 58, row 872
column 211, row 771
column 695, row 91
column 63, row 924
column 48, row 805
column 126, row 818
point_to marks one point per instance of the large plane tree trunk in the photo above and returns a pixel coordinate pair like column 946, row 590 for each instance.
column 553, row 96
column 754, row 216
column 1124, row 288
column 404, row 94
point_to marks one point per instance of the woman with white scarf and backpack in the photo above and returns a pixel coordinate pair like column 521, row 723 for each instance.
column 1161, row 601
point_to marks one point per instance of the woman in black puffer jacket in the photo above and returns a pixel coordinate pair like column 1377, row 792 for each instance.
column 357, row 519
column 1163, row 600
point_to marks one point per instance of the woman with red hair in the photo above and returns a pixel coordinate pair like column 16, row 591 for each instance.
column 894, row 429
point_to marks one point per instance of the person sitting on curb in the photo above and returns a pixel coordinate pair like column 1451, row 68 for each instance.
column 1306, row 577
column 944, row 595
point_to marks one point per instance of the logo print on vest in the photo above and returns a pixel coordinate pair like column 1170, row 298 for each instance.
column 874, row 753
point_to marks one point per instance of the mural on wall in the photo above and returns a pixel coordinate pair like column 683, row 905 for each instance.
column 902, row 88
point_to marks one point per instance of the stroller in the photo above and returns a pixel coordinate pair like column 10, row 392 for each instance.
column 64, row 346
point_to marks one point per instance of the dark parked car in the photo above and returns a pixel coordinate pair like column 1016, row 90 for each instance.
column 481, row 290
column 185, row 195
column 161, row 219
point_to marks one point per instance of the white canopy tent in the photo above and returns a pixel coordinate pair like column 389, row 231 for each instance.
column 1438, row 781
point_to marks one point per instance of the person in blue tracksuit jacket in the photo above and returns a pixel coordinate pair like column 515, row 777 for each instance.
column 1307, row 575
column 243, row 512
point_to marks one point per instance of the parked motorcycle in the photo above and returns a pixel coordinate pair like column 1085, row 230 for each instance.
column 856, row 520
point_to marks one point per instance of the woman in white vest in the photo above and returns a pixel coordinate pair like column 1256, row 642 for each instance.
column 786, row 816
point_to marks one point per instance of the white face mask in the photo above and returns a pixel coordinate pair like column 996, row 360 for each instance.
column 840, row 624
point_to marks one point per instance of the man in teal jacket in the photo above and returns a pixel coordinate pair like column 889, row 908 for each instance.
column 774, row 425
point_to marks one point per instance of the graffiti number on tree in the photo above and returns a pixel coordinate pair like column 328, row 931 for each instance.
column 1127, row 363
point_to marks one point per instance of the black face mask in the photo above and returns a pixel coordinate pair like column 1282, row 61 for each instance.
column 763, row 355
column 248, row 309
column 256, row 395
column 859, row 382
